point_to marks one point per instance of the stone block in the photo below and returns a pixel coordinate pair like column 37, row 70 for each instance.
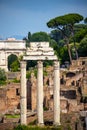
column 53, row 57
column 38, row 53
column 39, row 44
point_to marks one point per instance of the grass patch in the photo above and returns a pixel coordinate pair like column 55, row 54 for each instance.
column 23, row 127
column 2, row 83
column 12, row 116
column 16, row 80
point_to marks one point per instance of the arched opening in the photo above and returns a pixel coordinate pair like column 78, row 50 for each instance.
column 70, row 74
column 13, row 63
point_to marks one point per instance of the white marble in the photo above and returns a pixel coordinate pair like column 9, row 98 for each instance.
column 8, row 47
column 23, row 103
column 39, row 44
column 40, row 93
column 39, row 57
column 56, row 91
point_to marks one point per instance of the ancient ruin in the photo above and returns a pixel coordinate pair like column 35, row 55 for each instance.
column 40, row 51
column 8, row 47
column 72, row 91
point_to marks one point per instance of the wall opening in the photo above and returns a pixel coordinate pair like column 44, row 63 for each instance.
column 13, row 63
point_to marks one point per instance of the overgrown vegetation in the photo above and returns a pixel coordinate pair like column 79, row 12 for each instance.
column 15, row 80
column 23, row 127
column 2, row 77
column 34, row 71
column 13, row 63
column 12, row 116
column 29, row 72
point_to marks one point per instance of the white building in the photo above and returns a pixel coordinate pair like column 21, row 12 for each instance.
column 8, row 47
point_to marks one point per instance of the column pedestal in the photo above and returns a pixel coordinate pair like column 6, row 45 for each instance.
column 40, row 93
column 56, row 91
column 23, row 102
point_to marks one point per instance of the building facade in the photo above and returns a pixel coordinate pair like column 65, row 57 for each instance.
column 8, row 47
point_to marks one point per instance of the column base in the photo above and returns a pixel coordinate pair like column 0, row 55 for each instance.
column 56, row 124
column 40, row 124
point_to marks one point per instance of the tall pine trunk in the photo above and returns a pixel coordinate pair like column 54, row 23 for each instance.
column 74, row 44
column 69, row 52
column 76, row 50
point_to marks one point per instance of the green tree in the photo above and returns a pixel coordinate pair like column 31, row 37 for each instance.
column 28, row 39
column 11, row 59
column 85, row 20
column 65, row 24
column 53, row 44
column 56, row 35
column 83, row 47
column 15, row 66
column 36, row 37
column 63, row 54
column 2, row 76
column 80, row 34
column 39, row 37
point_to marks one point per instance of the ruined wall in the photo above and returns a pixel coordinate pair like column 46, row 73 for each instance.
column 71, row 94
column 9, row 98
column 3, row 100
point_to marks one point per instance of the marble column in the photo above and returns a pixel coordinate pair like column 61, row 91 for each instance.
column 56, row 91
column 23, row 103
column 40, row 93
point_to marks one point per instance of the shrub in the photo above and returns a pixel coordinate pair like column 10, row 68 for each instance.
column 12, row 116
column 2, row 76
column 15, row 66
column 21, row 127
column 28, row 75
column 69, row 127
column 16, row 80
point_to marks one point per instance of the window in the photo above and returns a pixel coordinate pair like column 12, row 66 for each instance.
column 17, row 92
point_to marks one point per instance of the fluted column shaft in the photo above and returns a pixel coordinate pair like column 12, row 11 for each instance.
column 40, row 92
column 23, row 102
column 56, row 92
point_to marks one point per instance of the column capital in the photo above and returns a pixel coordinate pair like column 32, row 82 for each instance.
column 23, row 64
column 40, row 64
column 56, row 64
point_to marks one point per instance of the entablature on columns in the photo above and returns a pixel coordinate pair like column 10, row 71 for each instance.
column 36, row 57
column 40, row 51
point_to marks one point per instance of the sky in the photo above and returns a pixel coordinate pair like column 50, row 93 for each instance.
column 18, row 17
